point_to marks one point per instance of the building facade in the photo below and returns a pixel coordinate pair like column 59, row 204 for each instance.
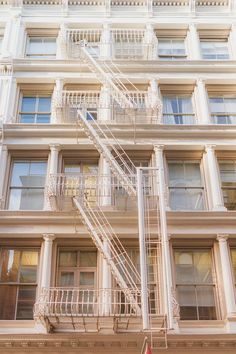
column 118, row 176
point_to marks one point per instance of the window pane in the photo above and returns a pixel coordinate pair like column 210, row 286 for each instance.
column 19, row 172
column 29, row 258
column 87, row 278
column 28, row 104
column 35, row 46
column 28, row 275
column 49, row 46
column 8, row 295
column 88, row 259
column 43, row 118
column 233, row 255
column 187, row 302
column 44, row 104
column 68, row 259
column 27, row 118
column 10, row 261
column 206, row 303
column 67, row 279
column 25, row 303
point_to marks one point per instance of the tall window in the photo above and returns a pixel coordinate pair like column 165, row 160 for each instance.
column 41, row 47
column 35, row 109
column 186, row 189
column 27, row 185
column 18, row 281
column 178, row 110
column 223, row 110
column 228, row 183
column 214, row 49
column 195, row 284
column 171, row 49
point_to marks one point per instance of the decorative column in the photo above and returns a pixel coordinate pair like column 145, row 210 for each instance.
column 150, row 42
column 47, row 260
column 57, row 102
column 3, row 169
column 61, row 42
column 105, row 46
column 193, row 43
column 6, row 39
column 202, row 102
column 105, row 104
column 232, row 40
column 154, row 101
column 228, row 282
column 52, row 171
column 214, row 180
column 106, row 192
column 166, row 264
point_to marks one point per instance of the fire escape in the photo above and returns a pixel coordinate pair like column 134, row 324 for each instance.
column 135, row 297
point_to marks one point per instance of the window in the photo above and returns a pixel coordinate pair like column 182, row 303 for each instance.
column 223, row 110
column 35, row 109
column 171, row 48
column 228, row 183
column 186, row 190
column 41, row 47
column 79, row 269
column 129, row 44
column 18, row 282
column 195, row 284
column 27, row 185
column 178, row 110
column 214, row 49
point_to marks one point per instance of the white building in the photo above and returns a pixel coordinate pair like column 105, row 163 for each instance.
column 117, row 176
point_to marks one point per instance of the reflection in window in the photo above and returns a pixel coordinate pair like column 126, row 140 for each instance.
column 18, row 281
column 171, row 48
column 233, row 257
column 186, row 189
column 178, row 110
column 223, row 110
column 195, row 285
column 35, row 109
column 214, row 49
column 228, row 183
column 41, row 47
column 27, row 185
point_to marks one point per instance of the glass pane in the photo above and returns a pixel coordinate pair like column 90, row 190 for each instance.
column 88, row 259
column 67, row 279
column 43, row 118
column 187, row 302
column 50, row 46
column 28, row 275
column 233, row 255
column 186, row 199
column 90, row 168
column 19, row 171
column 29, row 258
column 44, row 104
column 27, row 199
column 8, row 295
column 25, row 304
column 10, row 261
column 68, row 259
column 35, row 46
column 72, row 168
column 206, row 303
column 27, row 118
column 38, row 168
column 14, row 199
column 28, row 104
column 87, row 278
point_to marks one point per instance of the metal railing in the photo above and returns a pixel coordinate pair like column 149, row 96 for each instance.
column 64, row 302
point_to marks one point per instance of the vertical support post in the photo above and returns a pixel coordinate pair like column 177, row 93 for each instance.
column 105, row 45
column 229, row 291
column 150, row 52
column 202, row 100
column 154, row 100
column 52, row 169
column 158, row 149
column 3, row 164
column 193, row 43
column 217, row 200
column 142, row 250
column 57, row 104
column 105, row 104
column 47, row 260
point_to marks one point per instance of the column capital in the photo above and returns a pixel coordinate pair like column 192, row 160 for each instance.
column 55, row 147
column 49, row 237
column 201, row 81
column 222, row 237
column 210, row 147
column 158, row 148
column 4, row 147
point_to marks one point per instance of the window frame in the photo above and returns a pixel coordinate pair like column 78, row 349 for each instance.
column 10, row 175
column 228, row 161
column 226, row 114
column 41, row 55
column 172, row 56
column 17, row 283
column 182, row 115
column 36, row 113
column 214, row 40
column 215, row 281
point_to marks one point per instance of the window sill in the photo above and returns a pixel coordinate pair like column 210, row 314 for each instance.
column 17, row 324
column 201, row 323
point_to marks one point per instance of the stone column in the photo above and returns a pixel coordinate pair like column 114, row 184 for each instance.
column 150, row 43
column 52, row 171
column 203, row 114
column 57, row 102
column 214, row 180
column 47, row 260
column 3, row 164
column 154, row 101
column 105, row 109
column 6, row 39
column 232, row 41
column 105, row 46
column 228, row 282
column 193, row 43
column 105, row 199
